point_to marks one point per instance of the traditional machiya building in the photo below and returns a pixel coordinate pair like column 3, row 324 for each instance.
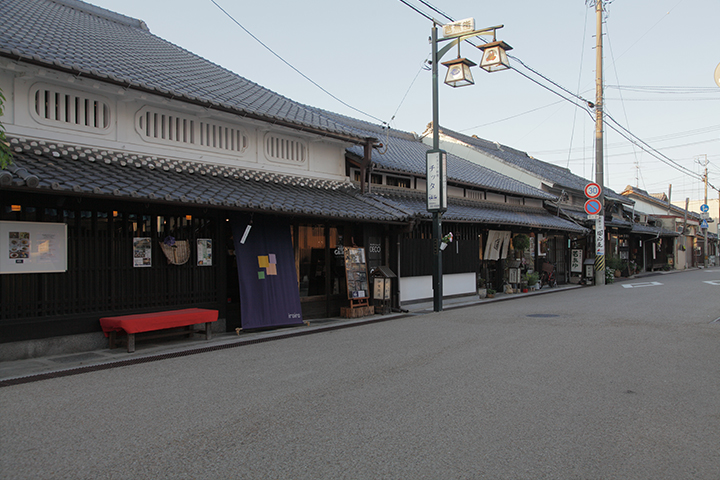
column 678, row 244
column 486, row 212
column 146, row 178
column 568, row 189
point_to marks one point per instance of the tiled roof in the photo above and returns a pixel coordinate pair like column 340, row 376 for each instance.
column 461, row 210
column 558, row 176
column 78, row 37
column 403, row 152
column 57, row 168
column 657, row 199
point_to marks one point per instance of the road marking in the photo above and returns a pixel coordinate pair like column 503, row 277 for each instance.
column 716, row 320
column 712, row 282
column 642, row 284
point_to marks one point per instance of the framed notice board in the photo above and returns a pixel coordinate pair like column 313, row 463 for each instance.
column 356, row 273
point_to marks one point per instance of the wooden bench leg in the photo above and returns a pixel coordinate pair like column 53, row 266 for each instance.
column 111, row 340
column 131, row 342
column 208, row 331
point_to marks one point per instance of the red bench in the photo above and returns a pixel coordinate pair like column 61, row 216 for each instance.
column 149, row 322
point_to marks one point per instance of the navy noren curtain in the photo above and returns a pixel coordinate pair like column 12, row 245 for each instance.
column 269, row 294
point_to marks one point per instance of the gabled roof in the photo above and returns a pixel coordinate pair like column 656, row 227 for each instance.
column 489, row 213
column 404, row 152
column 79, row 38
column 659, row 200
column 45, row 167
column 557, row 176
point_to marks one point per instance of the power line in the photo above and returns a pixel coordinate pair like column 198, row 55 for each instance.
column 511, row 117
column 617, row 127
column 291, row 66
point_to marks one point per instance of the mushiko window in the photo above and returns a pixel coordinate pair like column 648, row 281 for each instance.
column 57, row 106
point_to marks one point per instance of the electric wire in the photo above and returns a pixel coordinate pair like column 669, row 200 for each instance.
column 622, row 131
column 511, row 117
column 293, row 67
column 422, row 67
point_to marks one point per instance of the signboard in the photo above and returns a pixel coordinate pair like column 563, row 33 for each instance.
column 381, row 288
column 593, row 206
column 600, row 236
column 592, row 190
column 704, row 208
column 576, row 261
column 704, row 224
column 436, row 180
column 33, row 247
column 458, row 28
column 356, row 273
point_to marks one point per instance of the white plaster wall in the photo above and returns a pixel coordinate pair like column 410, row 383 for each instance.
column 326, row 157
column 420, row 288
column 464, row 151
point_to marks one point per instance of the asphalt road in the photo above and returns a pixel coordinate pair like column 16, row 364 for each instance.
column 597, row 383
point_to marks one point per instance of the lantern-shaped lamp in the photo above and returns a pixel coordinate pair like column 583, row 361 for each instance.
column 459, row 74
column 495, row 56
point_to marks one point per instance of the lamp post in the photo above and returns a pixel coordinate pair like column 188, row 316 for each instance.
column 458, row 75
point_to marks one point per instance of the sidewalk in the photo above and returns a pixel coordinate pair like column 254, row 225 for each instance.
column 34, row 369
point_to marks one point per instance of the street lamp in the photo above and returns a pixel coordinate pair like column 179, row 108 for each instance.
column 458, row 75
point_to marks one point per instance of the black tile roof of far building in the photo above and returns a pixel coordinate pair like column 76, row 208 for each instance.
column 403, row 152
column 559, row 177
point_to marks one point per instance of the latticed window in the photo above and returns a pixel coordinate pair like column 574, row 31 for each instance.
column 65, row 108
column 285, row 149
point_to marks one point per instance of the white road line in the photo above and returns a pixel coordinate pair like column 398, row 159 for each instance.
column 642, row 284
column 712, row 282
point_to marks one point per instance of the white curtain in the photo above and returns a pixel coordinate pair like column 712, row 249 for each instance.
column 497, row 245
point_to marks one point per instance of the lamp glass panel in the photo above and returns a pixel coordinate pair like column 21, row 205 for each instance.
column 494, row 59
column 459, row 75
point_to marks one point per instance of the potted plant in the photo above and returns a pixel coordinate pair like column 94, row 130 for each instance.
column 444, row 241
column 490, row 293
column 531, row 278
column 481, row 288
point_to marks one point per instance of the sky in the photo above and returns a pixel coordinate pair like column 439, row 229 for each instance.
column 659, row 62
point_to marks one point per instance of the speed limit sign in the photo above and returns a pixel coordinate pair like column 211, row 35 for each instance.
column 592, row 190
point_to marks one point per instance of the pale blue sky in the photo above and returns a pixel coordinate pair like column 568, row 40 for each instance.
column 368, row 53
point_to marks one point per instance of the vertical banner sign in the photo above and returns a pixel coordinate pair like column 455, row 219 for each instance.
column 269, row 293
column 576, row 261
column 600, row 243
column 436, row 174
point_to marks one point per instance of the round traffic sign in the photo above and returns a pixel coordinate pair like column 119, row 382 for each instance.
column 592, row 190
column 593, row 207
column 704, row 208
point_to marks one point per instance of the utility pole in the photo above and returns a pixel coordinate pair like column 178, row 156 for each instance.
column 705, row 230
column 599, row 175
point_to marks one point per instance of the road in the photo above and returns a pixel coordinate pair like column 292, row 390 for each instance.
column 596, row 383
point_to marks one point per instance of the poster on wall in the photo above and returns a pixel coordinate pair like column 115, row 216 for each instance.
column 33, row 247
column 142, row 252
column 204, row 252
